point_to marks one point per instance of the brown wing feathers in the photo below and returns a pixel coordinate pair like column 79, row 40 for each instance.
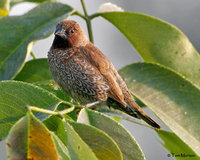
column 118, row 90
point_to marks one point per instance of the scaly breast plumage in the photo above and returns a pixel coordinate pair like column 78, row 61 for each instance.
column 79, row 79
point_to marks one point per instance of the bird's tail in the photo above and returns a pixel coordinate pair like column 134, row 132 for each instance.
column 134, row 107
column 140, row 114
column 147, row 119
column 133, row 110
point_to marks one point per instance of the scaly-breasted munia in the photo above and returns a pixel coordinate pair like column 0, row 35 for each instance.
column 86, row 74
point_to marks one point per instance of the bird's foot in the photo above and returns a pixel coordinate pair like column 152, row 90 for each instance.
column 89, row 105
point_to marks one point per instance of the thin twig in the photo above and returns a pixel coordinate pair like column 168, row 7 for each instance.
column 84, row 8
column 42, row 110
column 46, row 111
column 88, row 21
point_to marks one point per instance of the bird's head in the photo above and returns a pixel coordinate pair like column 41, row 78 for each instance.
column 69, row 34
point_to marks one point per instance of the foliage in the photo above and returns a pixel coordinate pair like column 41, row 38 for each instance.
column 38, row 119
column 178, row 115
column 19, row 32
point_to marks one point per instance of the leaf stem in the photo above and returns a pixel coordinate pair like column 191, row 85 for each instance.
column 93, row 16
column 80, row 15
column 32, row 108
column 88, row 21
column 59, row 113
column 33, row 56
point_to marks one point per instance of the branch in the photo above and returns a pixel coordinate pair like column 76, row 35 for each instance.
column 88, row 21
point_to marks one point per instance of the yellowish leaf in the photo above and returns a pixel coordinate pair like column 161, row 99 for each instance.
column 3, row 12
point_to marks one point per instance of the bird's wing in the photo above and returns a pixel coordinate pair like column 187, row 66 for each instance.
column 105, row 67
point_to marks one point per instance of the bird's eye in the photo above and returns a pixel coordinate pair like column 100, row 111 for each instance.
column 72, row 31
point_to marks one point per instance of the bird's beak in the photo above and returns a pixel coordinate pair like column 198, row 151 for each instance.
column 60, row 32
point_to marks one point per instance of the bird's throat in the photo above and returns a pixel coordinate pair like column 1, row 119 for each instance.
column 60, row 43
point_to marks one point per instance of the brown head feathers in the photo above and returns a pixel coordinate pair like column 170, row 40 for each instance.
column 69, row 34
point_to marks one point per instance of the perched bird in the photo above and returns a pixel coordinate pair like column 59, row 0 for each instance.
column 86, row 74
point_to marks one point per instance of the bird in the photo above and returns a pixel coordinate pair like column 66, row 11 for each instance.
column 86, row 74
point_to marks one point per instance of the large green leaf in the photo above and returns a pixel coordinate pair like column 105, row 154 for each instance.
column 17, row 33
column 174, row 99
column 100, row 143
column 158, row 41
column 35, row 71
column 30, row 139
column 176, row 146
column 15, row 96
column 127, row 144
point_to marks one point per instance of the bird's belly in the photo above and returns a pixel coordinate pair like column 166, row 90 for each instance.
column 80, row 82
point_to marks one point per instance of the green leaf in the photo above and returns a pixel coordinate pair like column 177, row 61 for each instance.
column 14, row 2
column 35, row 71
column 176, row 146
column 17, row 34
column 56, row 125
column 77, row 148
column 15, row 96
column 127, row 144
column 61, row 148
column 52, row 86
column 100, row 143
column 30, row 139
column 174, row 99
column 4, row 7
column 158, row 41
